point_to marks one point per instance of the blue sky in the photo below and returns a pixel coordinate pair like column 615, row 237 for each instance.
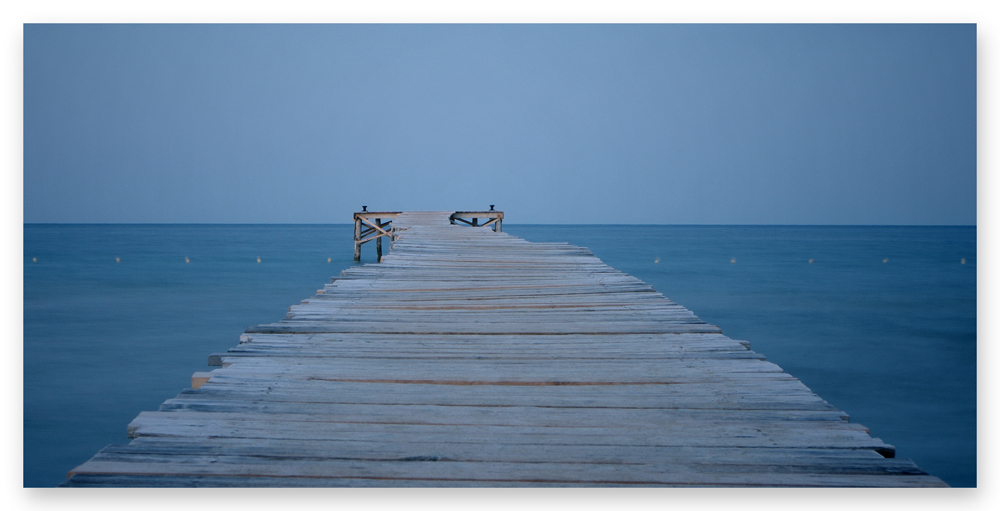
column 689, row 124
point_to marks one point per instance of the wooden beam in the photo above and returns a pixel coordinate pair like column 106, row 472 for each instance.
column 370, row 238
column 200, row 378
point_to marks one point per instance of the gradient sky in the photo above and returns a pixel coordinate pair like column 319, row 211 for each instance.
column 666, row 124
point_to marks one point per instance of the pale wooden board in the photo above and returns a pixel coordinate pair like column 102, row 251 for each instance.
column 474, row 358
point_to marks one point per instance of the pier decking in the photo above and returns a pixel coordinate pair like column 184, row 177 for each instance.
column 469, row 357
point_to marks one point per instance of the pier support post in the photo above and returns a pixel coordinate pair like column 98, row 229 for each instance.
column 357, row 239
column 378, row 242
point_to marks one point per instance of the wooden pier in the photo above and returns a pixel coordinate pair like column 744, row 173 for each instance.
column 469, row 357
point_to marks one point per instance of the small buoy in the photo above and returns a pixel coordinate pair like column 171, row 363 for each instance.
column 733, row 260
column 118, row 260
column 35, row 260
column 186, row 260
column 328, row 259
column 963, row 260
column 810, row 261
column 656, row 260
column 885, row 260
column 258, row 259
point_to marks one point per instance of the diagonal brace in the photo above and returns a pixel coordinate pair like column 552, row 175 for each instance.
column 378, row 228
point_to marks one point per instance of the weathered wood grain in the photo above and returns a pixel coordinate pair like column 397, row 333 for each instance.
column 469, row 357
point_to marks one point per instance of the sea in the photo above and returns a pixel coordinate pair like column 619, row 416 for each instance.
column 879, row 321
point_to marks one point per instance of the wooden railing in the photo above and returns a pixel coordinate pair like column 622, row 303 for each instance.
column 492, row 217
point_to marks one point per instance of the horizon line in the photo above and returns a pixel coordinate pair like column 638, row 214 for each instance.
column 514, row 223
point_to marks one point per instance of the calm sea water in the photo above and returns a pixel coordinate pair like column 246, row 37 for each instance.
column 892, row 343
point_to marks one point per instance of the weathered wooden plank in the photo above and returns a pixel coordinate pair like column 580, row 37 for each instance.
column 863, row 459
column 653, row 474
column 196, row 481
column 746, row 397
column 496, row 328
column 485, row 414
